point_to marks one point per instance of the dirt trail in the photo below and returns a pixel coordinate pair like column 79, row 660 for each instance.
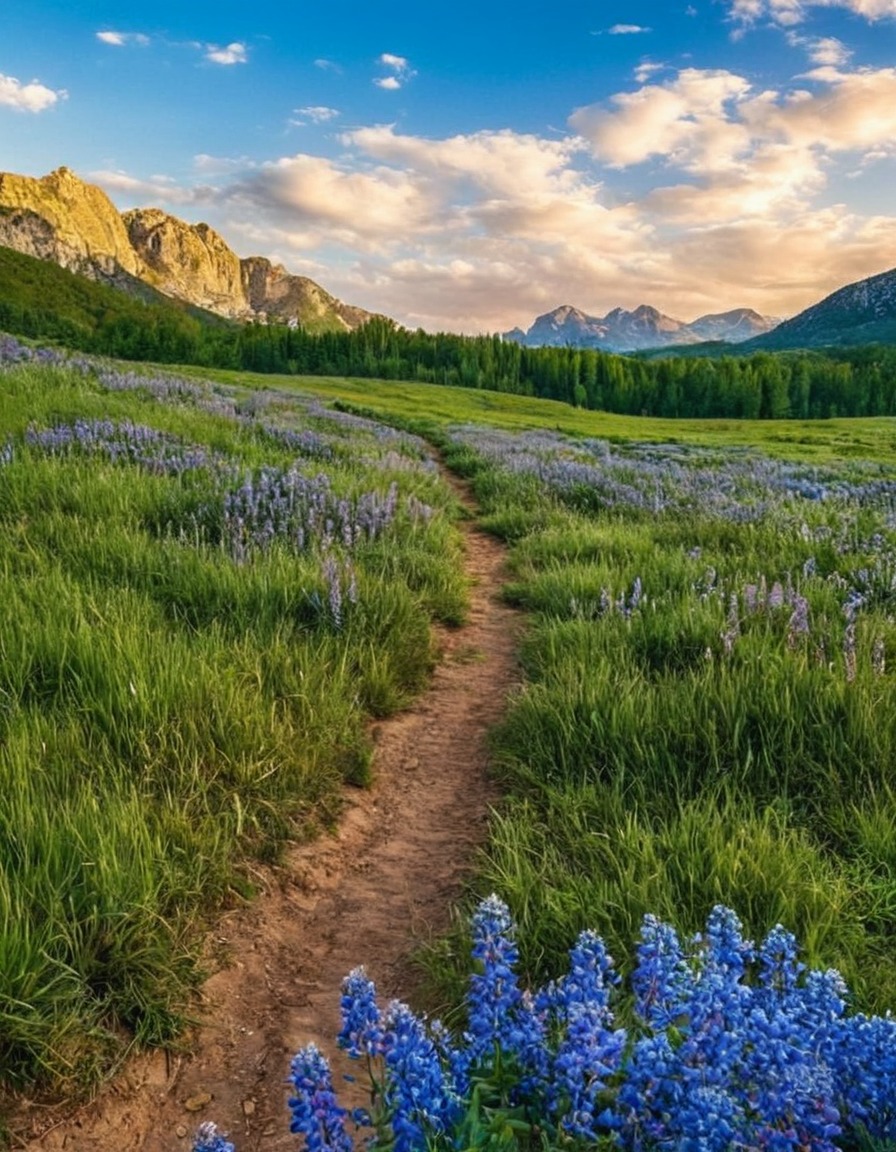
column 364, row 896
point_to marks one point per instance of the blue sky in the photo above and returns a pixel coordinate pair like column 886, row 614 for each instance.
column 467, row 166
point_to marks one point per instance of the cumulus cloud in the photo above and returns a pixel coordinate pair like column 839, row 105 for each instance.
column 399, row 63
column 235, row 53
column 400, row 72
column 119, row 39
column 31, row 97
column 481, row 231
column 358, row 206
column 822, row 49
column 791, row 12
column 691, row 120
column 712, row 123
column 627, row 29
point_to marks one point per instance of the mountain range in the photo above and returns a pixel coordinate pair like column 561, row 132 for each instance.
column 645, row 327
column 63, row 219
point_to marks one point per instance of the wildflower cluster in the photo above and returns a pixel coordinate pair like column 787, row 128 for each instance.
column 739, row 486
column 122, row 442
column 13, row 351
column 284, row 504
column 730, row 1046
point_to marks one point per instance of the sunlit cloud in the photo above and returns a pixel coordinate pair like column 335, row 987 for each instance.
column 627, row 29
column 731, row 201
column 483, row 231
column 31, row 97
column 690, row 119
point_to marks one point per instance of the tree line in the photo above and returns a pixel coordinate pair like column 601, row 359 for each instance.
column 758, row 385
column 42, row 301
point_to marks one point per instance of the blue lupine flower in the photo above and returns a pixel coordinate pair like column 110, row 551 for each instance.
column 316, row 1113
column 494, row 996
column 418, row 1098
column 362, row 1030
column 661, row 978
column 739, row 1049
column 590, row 1052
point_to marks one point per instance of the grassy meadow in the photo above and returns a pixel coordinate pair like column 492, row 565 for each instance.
column 208, row 588
column 204, row 596
column 708, row 715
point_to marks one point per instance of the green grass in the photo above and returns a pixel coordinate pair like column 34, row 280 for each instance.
column 167, row 714
column 435, row 406
column 651, row 769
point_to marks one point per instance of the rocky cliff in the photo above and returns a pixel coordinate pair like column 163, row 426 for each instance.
column 188, row 261
column 61, row 218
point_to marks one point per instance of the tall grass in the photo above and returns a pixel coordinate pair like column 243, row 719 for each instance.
column 175, row 700
column 708, row 714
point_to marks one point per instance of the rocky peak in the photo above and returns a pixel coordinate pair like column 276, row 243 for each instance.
column 189, row 261
column 645, row 327
column 61, row 218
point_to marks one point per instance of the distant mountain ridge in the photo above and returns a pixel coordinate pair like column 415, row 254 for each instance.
column 61, row 218
column 645, row 327
column 863, row 312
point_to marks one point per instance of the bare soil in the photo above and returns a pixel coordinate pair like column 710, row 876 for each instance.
column 369, row 894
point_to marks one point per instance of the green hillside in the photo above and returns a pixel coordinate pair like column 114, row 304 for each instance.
column 43, row 301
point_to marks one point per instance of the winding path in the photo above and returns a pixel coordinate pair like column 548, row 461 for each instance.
column 367, row 895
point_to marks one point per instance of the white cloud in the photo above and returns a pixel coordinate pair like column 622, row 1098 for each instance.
column 119, row 39
column 627, row 29
column 690, row 120
column 647, row 69
column 713, row 124
column 357, row 205
column 234, row 53
column 852, row 112
column 32, row 97
column 314, row 114
column 401, row 72
column 326, row 65
column 822, row 49
column 791, row 12
column 153, row 191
